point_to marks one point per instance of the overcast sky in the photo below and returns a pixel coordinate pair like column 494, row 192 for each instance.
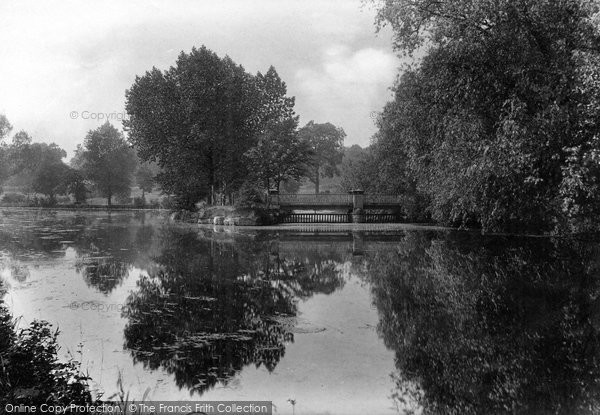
column 61, row 61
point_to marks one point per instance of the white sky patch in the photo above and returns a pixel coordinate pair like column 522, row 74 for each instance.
column 356, row 83
column 59, row 57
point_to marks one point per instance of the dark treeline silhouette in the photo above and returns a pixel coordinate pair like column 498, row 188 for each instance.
column 491, row 325
column 219, row 133
column 496, row 125
column 105, row 163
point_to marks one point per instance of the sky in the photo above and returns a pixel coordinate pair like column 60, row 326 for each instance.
column 65, row 65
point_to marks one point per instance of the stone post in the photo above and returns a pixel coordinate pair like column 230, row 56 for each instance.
column 273, row 206
column 358, row 243
column 358, row 199
column 274, row 198
column 358, row 203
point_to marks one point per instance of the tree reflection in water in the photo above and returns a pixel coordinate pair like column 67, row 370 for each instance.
column 107, row 253
column 212, row 307
column 491, row 325
column 478, row 324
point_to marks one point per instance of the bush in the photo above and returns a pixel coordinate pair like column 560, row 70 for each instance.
column 124, row 199
column 249, row 196
column 14, row 198
column 139, row 202
column 78, row 189
column 63, row 200
column 44, row 201
column 31, row 372
column 168, row 203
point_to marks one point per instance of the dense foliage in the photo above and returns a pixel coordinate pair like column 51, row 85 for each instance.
column 326, row 143
column 108, row 161
column 491, row 324
column 497, row 124
column 196, row 120
column 145, row 177
column 34, row 167
column 30, row 372
column 212, row 127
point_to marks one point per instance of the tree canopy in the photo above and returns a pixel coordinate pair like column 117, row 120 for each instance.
column 5, row 128
column 495, row 125
column 199, row 119
column 35, row 167
column 326, row 143
column 108, row 161
column 278, row 155
column 145, row 176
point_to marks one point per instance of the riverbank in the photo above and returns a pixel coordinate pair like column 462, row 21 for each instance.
column 82, row 207
column 226, row 215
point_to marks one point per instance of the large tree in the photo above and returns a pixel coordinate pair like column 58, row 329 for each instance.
column 279, row 154
column 496, row 123
column 51, row 173
column 108, row 161
column 5, row 128
column 326, row 143
column 36, row 167
column 358, row 170
column 145, row 177
column 196, row 120
column 199, row 119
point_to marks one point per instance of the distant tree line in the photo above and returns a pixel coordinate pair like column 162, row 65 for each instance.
column 205, row 129
column 497, row 124
column 218, row 132
column 104, row 163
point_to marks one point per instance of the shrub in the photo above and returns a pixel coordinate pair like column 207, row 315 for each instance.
column 139, row 202
column 168, row 203
column 124, row 199
column 14, row 198
column 30, row 372
column 63, row 200
column 249, row 196
column 44, row 201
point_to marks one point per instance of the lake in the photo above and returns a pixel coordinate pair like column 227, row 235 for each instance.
column 370, row 320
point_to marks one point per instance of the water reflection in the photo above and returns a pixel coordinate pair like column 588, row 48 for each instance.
column 491, row 325
column 477, row 324
column 213, row 307
column 106, row 254
column 106, row 245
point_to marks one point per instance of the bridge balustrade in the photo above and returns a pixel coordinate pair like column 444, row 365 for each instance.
column 383, row 200
column 353, row 202
column 322, row 199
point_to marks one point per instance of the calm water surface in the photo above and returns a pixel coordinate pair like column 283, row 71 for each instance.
column 408, row 320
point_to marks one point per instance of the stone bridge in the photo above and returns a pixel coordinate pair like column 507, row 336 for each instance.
column 355, row 207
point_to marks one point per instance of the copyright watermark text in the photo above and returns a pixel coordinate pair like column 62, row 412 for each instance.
column 96, row 306
column 99, row 116
column 151, row 408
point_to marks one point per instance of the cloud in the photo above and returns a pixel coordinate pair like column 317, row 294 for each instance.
column 64, row 56
column 347, row 88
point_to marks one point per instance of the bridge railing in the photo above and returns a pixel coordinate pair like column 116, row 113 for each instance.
column 383, row 200
column 322, row 199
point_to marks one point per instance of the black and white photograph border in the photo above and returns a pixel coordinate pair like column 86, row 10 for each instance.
column 300, row 207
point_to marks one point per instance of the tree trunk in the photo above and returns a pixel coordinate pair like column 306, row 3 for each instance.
column 317, row 182
column 109, row 200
